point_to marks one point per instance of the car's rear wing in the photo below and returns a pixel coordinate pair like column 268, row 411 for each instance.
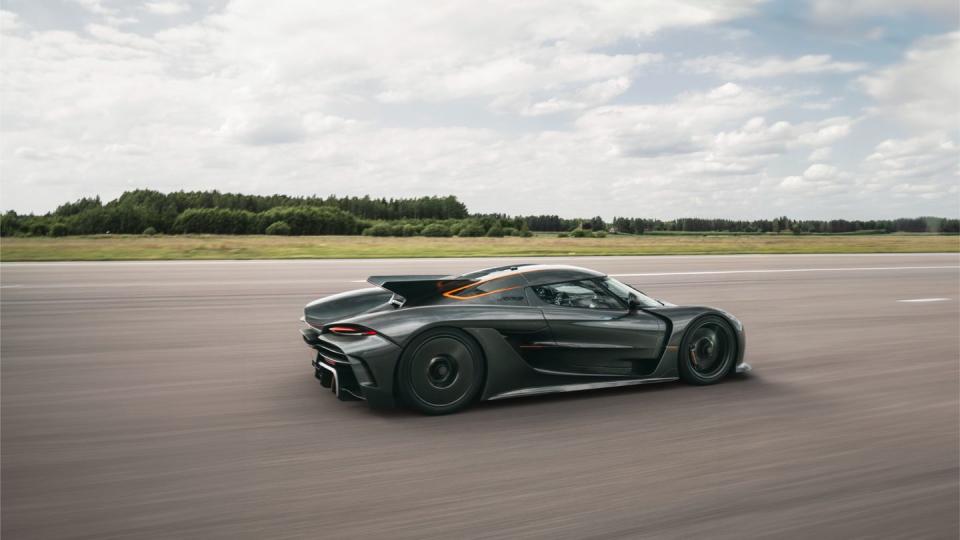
column 415, row 288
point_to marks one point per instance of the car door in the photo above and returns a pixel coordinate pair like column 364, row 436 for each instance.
column 595, row 333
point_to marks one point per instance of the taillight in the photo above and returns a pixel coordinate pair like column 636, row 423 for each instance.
column 345, row 330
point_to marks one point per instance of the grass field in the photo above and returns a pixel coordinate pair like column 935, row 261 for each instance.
column 115, row 247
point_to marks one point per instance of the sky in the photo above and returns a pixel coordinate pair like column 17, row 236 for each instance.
column 731, row 108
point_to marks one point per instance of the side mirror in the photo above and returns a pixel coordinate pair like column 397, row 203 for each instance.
column 633, row 304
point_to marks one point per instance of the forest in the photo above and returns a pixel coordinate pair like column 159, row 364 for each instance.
column 211, row 212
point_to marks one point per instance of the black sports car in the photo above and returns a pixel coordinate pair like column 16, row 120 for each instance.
column 438, row 343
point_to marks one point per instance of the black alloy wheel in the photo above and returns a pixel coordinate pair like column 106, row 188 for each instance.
column 707, row 351
column 441, row 371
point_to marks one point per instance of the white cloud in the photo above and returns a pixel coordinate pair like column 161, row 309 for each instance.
column 589, row 96
column 826, row 132
column 680, row 127
column 95, row 6
column 107, row 15
column 924, row 89
column 820, row 179
column 757, row 137
column 604, row 91
column 126, row 149
column 513, row 80
column 793, row 183
column 819, row 154
column 168, row 7
column 928, row 158
column 264, row 129
column 820, row 171
column 27, row 152
column 9, row 21
column 131, row 41
column 899, row 174
column 60, row 153
column 737, row 67
column 832, row 11
column 506, row 52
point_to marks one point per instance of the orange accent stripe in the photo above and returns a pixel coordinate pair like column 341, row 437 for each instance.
column 451, row 294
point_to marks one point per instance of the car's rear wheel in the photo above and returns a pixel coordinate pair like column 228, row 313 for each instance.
column 707, row 351
column 441, row 371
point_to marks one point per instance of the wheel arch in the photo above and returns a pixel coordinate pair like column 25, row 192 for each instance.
column 679, row 319
column 411, row 340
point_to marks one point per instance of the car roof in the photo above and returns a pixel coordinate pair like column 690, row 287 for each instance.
column 535, row 274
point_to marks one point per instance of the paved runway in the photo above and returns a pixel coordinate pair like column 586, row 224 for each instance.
column 165, row 400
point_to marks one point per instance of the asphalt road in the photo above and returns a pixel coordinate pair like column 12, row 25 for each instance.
column 164, row 400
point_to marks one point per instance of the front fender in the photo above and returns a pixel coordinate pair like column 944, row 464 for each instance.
column 678, row 319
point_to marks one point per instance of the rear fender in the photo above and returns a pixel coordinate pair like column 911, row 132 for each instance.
column 401, row 325
column 346, row 304
column 490, row 326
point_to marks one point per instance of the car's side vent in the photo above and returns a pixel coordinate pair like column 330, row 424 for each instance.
column 362, row 373
column 330, row 350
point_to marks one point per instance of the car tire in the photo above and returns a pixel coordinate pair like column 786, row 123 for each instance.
column 441, row 371
column 707, row 351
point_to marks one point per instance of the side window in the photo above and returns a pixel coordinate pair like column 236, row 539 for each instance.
column 501, row 291
column 577, row 294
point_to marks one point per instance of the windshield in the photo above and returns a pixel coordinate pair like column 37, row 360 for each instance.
column 624, row 291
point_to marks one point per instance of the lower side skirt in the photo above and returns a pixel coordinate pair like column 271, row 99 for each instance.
column 577, row 387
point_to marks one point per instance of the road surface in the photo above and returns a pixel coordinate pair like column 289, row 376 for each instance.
column 175, row 399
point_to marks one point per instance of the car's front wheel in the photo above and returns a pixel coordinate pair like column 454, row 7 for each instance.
column 707, row 351
column 441, row 371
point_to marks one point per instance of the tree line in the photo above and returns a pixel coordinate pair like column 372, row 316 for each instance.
column 172, row 204
column 135, row 212
column 629, row 225
column 211, row 212
column 786, row 225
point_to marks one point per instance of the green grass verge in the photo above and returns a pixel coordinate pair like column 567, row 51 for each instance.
column 119, row 247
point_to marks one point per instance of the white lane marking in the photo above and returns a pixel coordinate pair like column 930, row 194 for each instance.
column 785, row 270
column 10, row 286
column 924, row 300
